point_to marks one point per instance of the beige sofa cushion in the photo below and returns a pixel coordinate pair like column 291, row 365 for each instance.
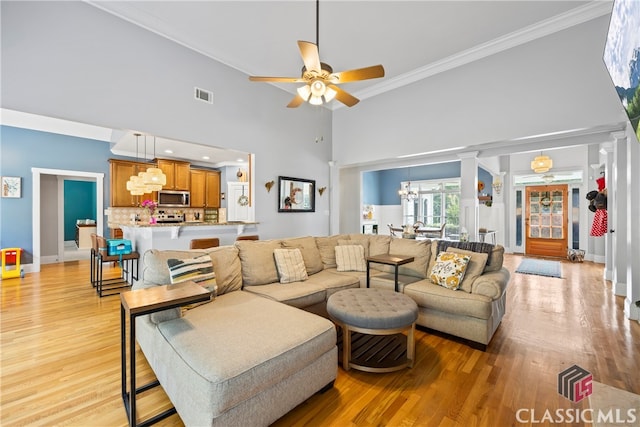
column 358, row 239
column 258, row 265
column 438, row 298
column 496, row 257
column 310, row 252
column 378, row 244
column 474, row 268
column 327, row 248
column 419, row 249
column 226, row 265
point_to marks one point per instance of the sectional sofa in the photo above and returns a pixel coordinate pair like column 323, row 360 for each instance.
column 259, row 348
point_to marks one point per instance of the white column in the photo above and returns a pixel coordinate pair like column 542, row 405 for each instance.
column 498, row 209
column 607, row 151
column 617, row 211
column 631, row 309
column 469, row 207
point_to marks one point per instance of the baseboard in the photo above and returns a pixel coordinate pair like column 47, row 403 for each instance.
column 599, row 259
column 619, row 289
column 49, row 259
column 631, row 310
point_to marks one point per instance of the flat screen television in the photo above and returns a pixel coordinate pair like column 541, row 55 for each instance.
column 622, row 56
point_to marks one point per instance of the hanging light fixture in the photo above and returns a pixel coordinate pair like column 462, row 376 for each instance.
column 406, row 192
column 136, row 185
column 541, row 164
column 154, row 179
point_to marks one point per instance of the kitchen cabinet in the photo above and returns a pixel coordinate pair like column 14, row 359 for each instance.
column 178, row 174
column 120, row 171
column 205, row 188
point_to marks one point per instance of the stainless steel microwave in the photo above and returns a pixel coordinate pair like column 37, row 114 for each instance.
column 174, row 199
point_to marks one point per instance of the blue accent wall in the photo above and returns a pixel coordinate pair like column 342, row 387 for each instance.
column 381, row 187
column 23, row 149
column 79, row 203
column 486, row 177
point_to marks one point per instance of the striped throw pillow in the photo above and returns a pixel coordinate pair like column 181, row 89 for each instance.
column 199, row 270
column 290, row 265
column 350, row 258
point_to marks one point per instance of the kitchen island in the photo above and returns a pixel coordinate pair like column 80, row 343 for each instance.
column 178, row 236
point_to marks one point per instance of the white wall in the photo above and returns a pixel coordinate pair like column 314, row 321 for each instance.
column 73, row 61
column 556, row 83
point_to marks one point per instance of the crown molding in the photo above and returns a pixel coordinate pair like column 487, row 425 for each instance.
column 579, row 15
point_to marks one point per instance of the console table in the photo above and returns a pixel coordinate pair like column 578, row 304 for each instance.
column 388, row 259
column 137, row 303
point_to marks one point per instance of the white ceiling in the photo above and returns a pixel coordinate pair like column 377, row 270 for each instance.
column 411, row 39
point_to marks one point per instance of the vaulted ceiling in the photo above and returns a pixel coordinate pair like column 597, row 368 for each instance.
column 411, row 39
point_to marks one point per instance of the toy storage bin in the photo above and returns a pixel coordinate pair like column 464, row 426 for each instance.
column 11, row 257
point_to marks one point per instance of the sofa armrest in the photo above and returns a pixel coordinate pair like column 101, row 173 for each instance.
column 491, row 284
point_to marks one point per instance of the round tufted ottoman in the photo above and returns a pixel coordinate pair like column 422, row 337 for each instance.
column 375, row 312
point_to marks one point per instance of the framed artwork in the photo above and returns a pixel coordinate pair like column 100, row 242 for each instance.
column 296, row 194
column 11, row 186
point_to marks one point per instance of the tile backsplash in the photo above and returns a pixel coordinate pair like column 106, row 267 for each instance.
column 124, row 215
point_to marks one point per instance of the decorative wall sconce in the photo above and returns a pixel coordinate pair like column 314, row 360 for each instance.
column 497, row 186
column 321, row 190
column 268, row 185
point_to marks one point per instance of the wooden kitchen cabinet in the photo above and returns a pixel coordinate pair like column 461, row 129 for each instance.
column 205, row 188
column 120, row 171
column 178, row 174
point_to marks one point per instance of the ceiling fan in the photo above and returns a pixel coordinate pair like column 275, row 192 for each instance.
column 320, row 80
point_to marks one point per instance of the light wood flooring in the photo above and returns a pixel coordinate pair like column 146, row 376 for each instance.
column 60, row 347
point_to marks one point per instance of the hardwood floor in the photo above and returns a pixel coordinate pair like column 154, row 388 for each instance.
column 61, row 348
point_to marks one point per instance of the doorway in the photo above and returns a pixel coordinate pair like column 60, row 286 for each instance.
column 546, row 222
column 37, row 213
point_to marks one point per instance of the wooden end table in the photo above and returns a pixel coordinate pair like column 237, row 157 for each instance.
column 137, row 303
column 388, row 259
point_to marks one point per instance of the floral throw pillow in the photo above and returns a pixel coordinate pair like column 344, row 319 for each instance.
column 449, row 269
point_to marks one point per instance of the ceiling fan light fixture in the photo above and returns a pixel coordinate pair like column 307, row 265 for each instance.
column 318, row 88
column 304, row 92
column 329, row 94
column 315, row 100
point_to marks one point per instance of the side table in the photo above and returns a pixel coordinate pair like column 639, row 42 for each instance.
column 388, row 259
column 137, row 303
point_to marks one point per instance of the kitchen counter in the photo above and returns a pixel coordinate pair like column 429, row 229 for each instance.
column 178, row 236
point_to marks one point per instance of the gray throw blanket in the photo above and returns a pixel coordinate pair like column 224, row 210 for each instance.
column 467, row 246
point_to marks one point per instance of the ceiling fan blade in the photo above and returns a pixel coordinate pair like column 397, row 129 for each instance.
column 310, row 55
column 345, row 97
column 366, row 73
column 295, row 102
column 277, row 79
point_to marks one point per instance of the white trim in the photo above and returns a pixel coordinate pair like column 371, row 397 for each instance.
column 36, row 205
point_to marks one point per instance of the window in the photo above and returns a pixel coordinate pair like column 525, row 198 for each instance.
column 436, row 202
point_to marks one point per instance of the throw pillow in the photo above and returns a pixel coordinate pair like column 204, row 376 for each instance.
column 199, row 270
column 449, row 269
column 290, row 265
column 350, row 258
column 474, row 268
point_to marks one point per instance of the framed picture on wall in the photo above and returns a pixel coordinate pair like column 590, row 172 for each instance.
column 11, row 187
column 296, row 195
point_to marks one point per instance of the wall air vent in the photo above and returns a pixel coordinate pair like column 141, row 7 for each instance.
column 204, row 95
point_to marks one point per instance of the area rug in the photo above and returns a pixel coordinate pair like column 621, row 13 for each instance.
column 539, row 267
column 613, row 406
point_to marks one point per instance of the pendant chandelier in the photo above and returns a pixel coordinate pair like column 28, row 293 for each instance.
column 153, row 179
column 406, row 192
column 541, row 164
